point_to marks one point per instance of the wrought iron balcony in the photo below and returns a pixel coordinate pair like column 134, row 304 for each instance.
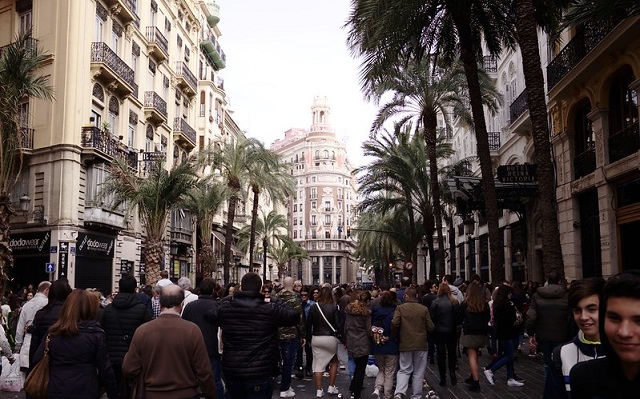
column 490, row 63
column 624, row 143
column 110, row 68
column 494, row 141
column 26, row 138
column 158, row 46
column 123, row 9
column 518, row 106
column 577, row 48
column 186, row 79
column 97, row 143
column 184, row 134
column 585, row 163
column 155, row 108
column 31, row 45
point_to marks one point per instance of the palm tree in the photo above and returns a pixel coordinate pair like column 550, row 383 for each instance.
column 234, row 162
column 583, row 11
column 421, row 92
column 269, row 227
column 20, row 63
column 284, row 251
column 154, row 196
column 388, row 33
column 267, row 176
column 203, row 202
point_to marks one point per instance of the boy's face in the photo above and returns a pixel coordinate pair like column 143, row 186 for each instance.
column 586, row 317
column 622, row 326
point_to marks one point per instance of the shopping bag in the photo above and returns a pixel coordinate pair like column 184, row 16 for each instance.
column 11, row 378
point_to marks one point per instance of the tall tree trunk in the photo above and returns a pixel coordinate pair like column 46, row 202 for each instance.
column 462, row 21
column 528, row 40
column 254, row 221
column 206, row 259
column 430, row 138
column 412, row 232
column 428, row 230
column 153, row 254
column 6, row 259
column 228, row 238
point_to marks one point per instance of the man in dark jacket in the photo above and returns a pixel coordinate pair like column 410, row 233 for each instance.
column 291, row 338
column 194, row 312
column 120, row 320
column 250, row 335
column 548, row 322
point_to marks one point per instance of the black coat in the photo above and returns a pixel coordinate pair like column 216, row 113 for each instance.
column 120, row 320
column 250, row 334
column 43, row 319
column 194, row 312
column 79, row 365
column 503, row 318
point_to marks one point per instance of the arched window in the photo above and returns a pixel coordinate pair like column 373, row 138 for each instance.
column 98, row 92
column 326, row 154
column 317, row 154
column 623, row 116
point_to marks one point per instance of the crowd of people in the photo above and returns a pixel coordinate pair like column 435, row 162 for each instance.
column 174, row 341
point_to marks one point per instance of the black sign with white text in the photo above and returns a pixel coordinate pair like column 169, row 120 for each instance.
column 95, row 245
column 30, row 243
column 517, row 173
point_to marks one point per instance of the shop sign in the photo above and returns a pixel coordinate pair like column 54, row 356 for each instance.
column 30, row 243
column 517, row 173
column 94, row 245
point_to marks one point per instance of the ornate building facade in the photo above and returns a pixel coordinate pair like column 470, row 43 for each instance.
column 322, row 210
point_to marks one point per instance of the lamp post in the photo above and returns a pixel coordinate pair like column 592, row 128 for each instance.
column 519, row 257
column 425, row 248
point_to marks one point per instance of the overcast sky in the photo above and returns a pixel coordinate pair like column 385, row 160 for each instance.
column 282, row 53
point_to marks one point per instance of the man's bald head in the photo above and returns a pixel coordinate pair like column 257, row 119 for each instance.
column 287, row 284
column 171, row 296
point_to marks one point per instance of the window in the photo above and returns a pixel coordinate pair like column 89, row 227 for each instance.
column 313, row 220
column 327, row 244
column 313, row 205
column 114, row 111
column 23, row 114
column 295, row 207
column 313, row 179
column 148, row 145
column 339, row 193
column 295, row 221
column 327, row 220
column 26, row 22
column 317, row 155
column 314, row 193
column 295, row 233
column 327, row 206
column 339, row 205
column 203, row 97
column 99, row 29
column 314, row 236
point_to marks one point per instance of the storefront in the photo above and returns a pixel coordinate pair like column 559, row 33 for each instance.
column 31, row 253
column 94, row 262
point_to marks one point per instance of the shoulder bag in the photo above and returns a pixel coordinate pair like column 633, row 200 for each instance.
column 337, row 334
column 37, row 381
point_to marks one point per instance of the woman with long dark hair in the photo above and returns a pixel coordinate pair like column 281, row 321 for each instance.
column 358, row 333
column 475, row 329
column 445, row 312
column 78, row 357
column 504, row 319
column 323, row 321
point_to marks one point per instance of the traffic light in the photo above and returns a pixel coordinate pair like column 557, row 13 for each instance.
column 348, row 231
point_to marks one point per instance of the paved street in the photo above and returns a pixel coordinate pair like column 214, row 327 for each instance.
column 527, row 368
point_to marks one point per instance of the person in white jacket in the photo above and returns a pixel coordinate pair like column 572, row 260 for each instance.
column 27, row 313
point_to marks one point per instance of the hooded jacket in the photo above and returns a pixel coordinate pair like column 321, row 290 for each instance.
column 568, row 355
column 548, row 315
column 358, row 329
column 120, row 320
column 299, row 330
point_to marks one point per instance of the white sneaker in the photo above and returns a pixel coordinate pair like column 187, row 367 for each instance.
column 513, row 383
column 489, row 375
column 289, row 393
column 332, row 390
column 319, row 393
column 375, row 394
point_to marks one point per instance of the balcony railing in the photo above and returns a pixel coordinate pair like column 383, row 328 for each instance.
column 183, row 72
column 624, row 143
column 126, row 10
column 214, row 11
column 585, row 162
column 116, row 68
column 32, row 44
column 577, row 48
column 104, row 143
column 26, row 138
column 157, row 107
column 155, row 38
column 494, row 141
column 518, row 106
column 490, row 63
column 181, row 126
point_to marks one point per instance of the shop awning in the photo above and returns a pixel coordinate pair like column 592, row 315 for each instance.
column 220, row 237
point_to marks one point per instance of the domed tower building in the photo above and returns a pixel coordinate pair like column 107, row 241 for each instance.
column 322, row 210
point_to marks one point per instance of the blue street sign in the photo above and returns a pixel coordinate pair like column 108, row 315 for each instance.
column 50, row 268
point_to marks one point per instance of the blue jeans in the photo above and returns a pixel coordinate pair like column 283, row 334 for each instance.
column 547, row 349
column 351, row 367
column 507, row 353
column 288, row 351
column 216, row 369
column 250, row 389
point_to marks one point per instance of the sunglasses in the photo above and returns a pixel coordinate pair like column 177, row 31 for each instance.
column 266, row 292
column 315, row 292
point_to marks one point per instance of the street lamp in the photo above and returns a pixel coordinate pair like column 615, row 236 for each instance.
column 425, row 248
column 265, row 246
